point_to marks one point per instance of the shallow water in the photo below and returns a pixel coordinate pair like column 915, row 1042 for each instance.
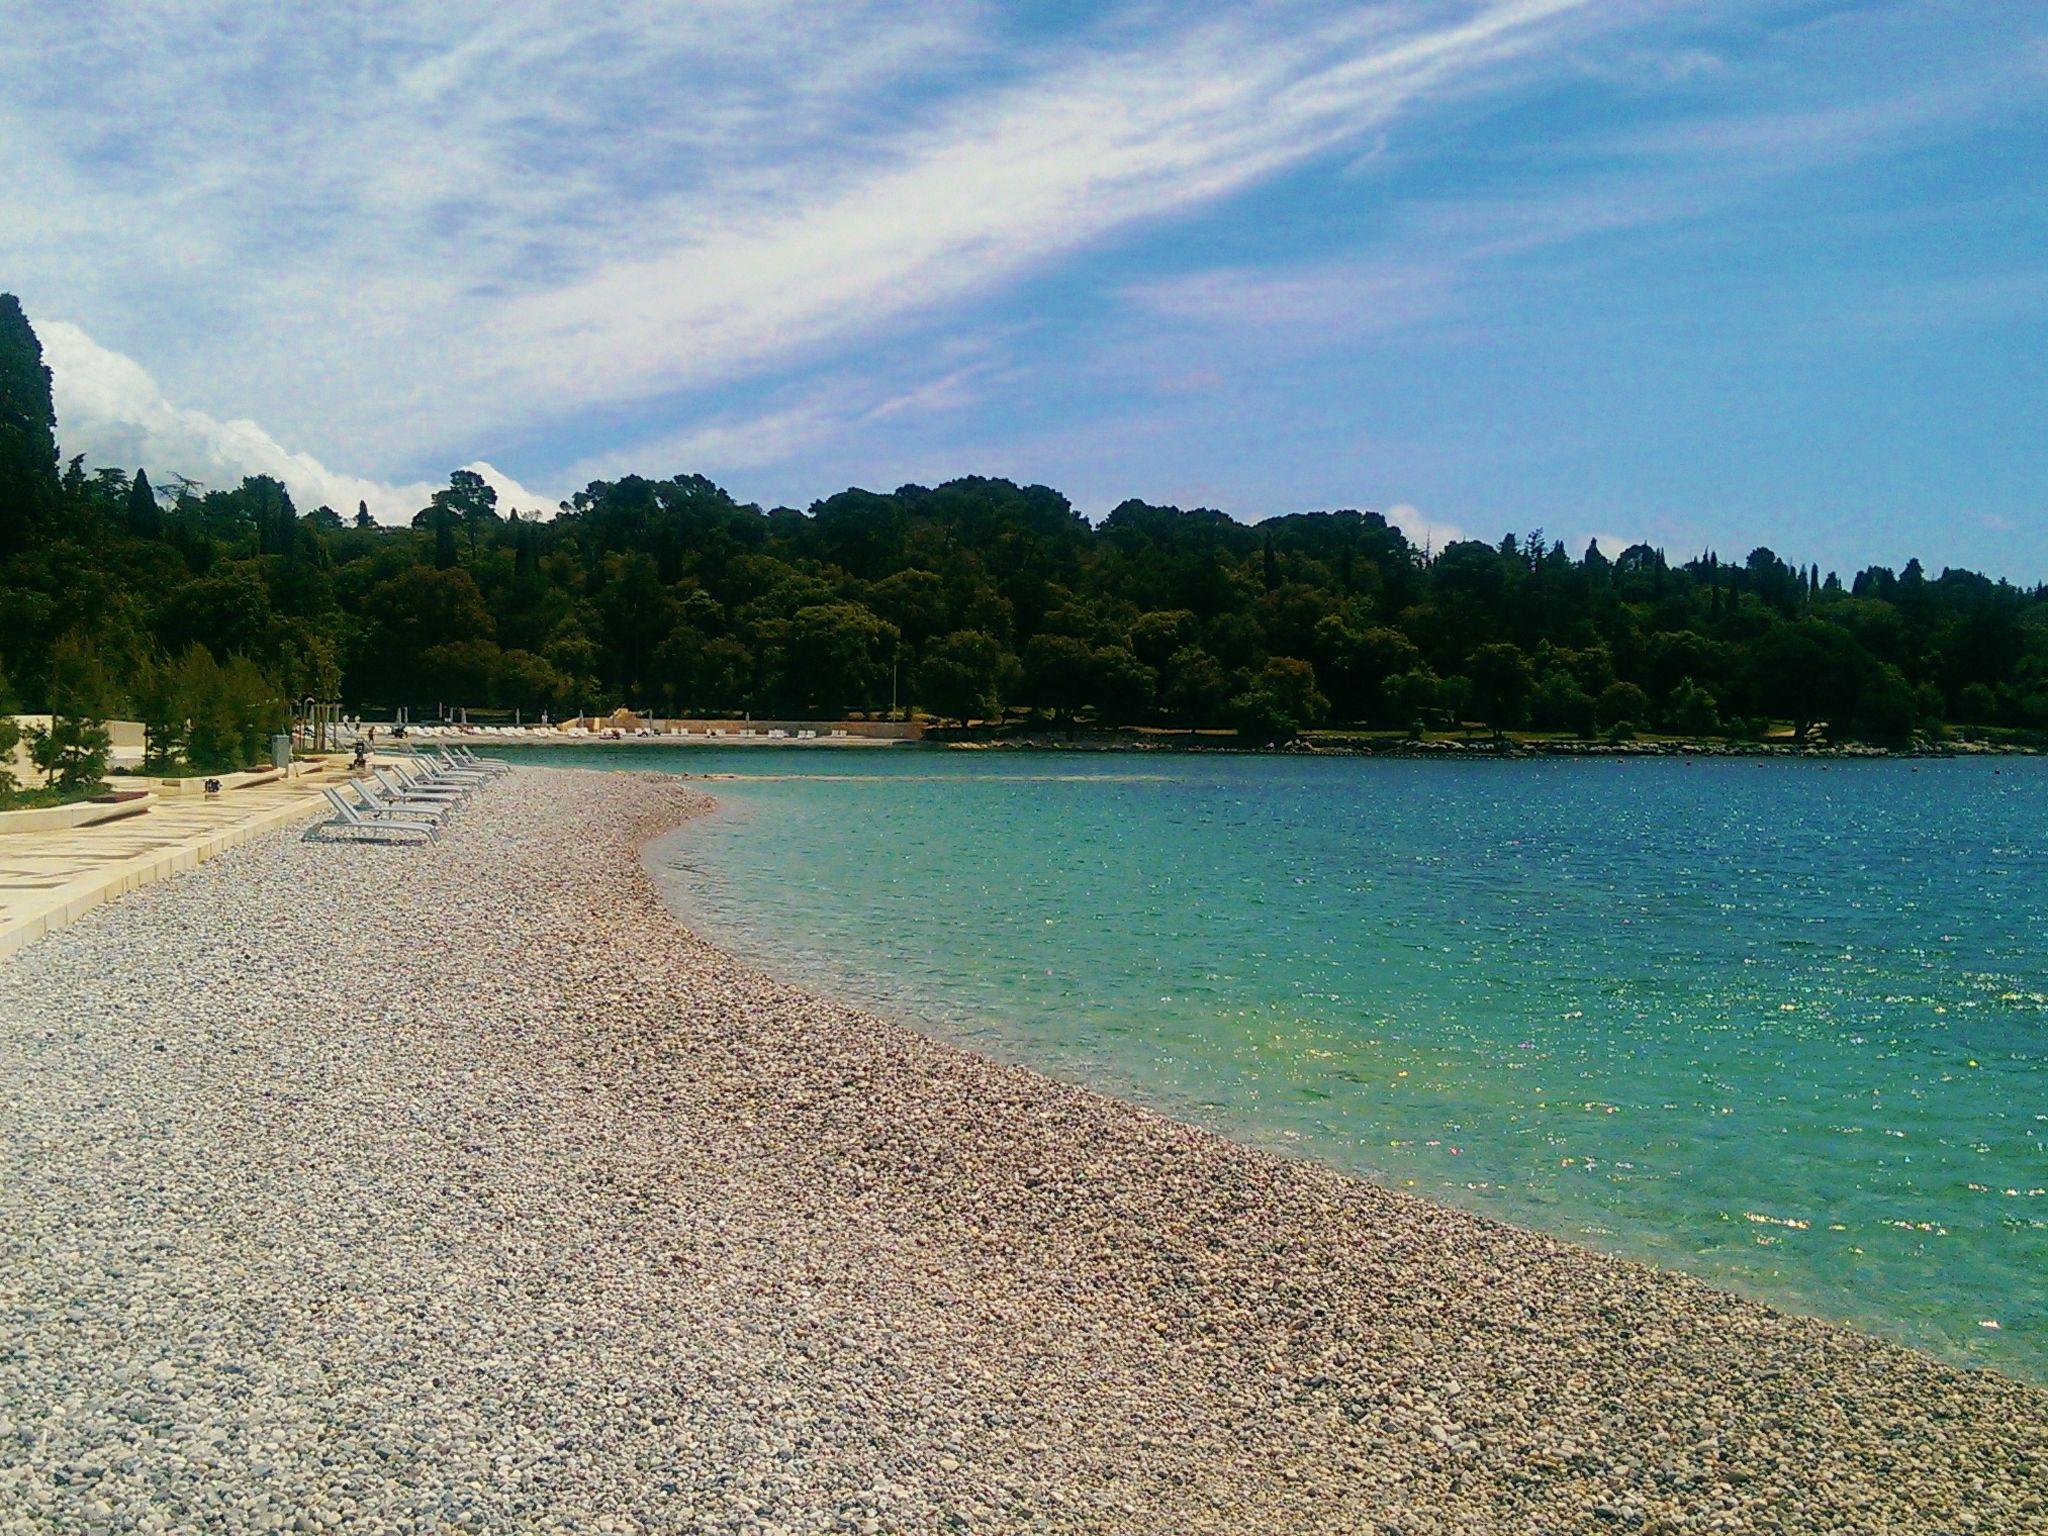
column 1783, row 1025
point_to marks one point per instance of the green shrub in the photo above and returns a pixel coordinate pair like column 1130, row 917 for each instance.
column 72, row 750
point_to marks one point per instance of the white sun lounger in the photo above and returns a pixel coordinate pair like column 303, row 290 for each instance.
column 447, row 768
column 469, row 759
column 357, row 825
column 404, row 791
column 403, row 804
column 424, row 771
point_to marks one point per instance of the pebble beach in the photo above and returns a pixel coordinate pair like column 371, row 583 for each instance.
column 457, row 1188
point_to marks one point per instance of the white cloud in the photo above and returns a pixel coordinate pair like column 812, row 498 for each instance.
column 1424, row 531
column 442, row 227
column 113, row 412
column 1085, row 146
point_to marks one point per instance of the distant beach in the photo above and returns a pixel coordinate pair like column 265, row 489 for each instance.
column 457, row 1187
column 1443, row 745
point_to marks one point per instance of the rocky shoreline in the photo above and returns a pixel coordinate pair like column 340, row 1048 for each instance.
column 456, row 1188
column 1481, row 746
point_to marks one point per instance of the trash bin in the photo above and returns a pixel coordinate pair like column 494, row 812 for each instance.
column 281, row 750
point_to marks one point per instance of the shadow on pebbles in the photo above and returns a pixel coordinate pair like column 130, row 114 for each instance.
column 456, row 1188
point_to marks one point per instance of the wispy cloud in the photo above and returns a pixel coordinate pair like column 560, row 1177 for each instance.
column 1086, row 145
column 439, row 226
column 824, row 413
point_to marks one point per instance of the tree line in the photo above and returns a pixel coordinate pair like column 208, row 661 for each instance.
column 201, row 609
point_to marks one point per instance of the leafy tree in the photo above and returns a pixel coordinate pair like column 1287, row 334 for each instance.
column 1692, row 710
column 1414, row 695
column 1887, row 707
column 459, row 669
column 1282, row 700
column 1622, row 704
column 726, row 678
column 1560, row 704
column 1502, row 680
column 1156, row 636
column 962, row 676
column 1354, row 664
column 1977, row 703
column 1059, row 672
column 1197, row 689
column 1123, row 686
column 531, row 683
column 1807, row 670
column 228, row 611
column 840, row 654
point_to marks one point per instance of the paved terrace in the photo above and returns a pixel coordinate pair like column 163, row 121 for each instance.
column 49, row 879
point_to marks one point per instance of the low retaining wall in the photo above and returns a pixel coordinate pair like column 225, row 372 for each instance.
column 80, row 813
column 232, row 781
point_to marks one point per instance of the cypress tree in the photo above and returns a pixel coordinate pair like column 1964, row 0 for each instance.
column 145, row 518
column 28, row 429
column 363, row 518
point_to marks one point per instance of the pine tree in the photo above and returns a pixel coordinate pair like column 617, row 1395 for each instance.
column 28, row 429
column 363, row 518
column 145, row 518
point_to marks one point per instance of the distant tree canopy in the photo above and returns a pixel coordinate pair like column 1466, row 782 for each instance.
column 970, row 600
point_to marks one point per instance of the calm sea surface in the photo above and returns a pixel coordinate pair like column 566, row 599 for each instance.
column 1784, row 1025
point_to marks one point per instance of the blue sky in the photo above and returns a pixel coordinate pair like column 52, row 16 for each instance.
column 1699, row 274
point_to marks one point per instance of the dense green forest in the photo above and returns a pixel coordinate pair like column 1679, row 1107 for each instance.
column 199, row 609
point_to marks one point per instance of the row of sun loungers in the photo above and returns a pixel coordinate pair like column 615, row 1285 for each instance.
column 405, row 799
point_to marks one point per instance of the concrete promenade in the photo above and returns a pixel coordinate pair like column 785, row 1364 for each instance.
column 50, row 878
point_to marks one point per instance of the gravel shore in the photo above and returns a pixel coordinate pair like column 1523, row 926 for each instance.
column 456, row 1188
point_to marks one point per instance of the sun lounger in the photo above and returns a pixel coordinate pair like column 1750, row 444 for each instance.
column 398, row 787
column 439, row 762
column 423, row 772
column 372, row 805
column 363, row 826
column 446, row 765
column 469, row 759
column 379, row 794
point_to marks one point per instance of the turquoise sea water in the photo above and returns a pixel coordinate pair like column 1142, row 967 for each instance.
column 1784, row 1025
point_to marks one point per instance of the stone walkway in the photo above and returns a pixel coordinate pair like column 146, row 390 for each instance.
column 48, row 879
